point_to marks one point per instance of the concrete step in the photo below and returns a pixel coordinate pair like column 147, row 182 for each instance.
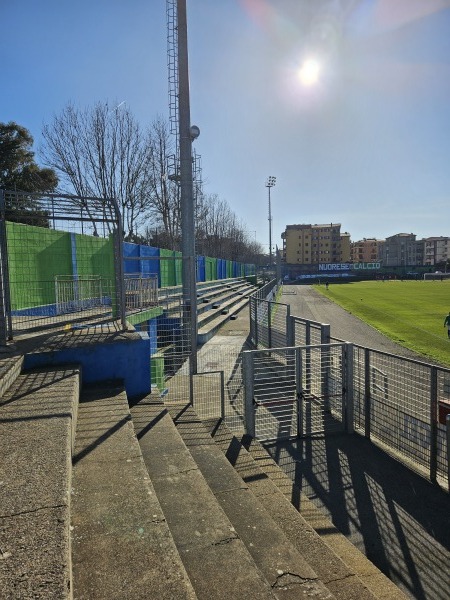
column 283, row 565
column 342, row 567
column 227, row 298
column 37, row 420
column 10, row 369
column 207, row 330
column 122, row 547
column 216, row 559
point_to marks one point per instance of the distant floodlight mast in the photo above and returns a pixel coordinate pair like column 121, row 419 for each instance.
column 271, row 180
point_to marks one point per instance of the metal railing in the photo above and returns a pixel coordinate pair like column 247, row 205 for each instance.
column 141, row 291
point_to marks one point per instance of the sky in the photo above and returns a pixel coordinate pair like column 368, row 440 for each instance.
column 367, row 145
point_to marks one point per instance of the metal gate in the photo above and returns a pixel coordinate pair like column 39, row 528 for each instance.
column 298, row 392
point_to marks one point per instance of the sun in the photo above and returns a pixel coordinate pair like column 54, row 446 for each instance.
column 309, row 72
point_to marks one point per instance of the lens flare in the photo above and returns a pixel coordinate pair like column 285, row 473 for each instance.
column 309, row 72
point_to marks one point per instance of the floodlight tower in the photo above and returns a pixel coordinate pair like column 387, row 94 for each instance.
column 179, row 106
column 271, row 181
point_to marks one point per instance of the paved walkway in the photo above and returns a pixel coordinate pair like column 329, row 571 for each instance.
column 396, row 517
column 307, row 303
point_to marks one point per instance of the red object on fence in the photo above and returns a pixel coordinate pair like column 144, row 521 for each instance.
column 444, row 410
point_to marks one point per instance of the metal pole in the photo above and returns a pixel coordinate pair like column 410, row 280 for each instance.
column 249, row 405
column 367, row 392
column 269, row 184
column 447, row 430
column 4, row 283
column 325, row 357
column 270, row 230
column 349, row 408
column 433, row 423
column 186, row 187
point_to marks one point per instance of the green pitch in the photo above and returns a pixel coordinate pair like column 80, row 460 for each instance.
column 411, row 313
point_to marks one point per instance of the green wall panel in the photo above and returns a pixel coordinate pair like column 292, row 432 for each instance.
column 35, row 256
column 178, row 268
column 95, row 256
column 167, row 268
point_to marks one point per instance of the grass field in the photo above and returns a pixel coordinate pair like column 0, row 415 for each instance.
column 411, row 313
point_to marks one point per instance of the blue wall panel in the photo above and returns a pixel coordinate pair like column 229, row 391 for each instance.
column 201, row 269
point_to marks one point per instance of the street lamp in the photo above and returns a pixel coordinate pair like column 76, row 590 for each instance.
column 269, row 184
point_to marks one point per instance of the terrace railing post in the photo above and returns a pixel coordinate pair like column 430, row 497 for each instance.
column 325, row 365
column 5, row 301
column 119, row 266
column 308, row 356
column 348, row 379
column 290, row 329
column 222, row 394
column 249, row 405
column 433, row 423
column 269, row 324
column 447, row 423
column 256, row 322
column 288, row 336
column 367, row 398
column 299, row 390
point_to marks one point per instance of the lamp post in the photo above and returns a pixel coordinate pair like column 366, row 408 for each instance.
column 271, row 180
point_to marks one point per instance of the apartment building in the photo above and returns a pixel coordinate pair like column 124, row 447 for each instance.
column 365, row 250
column 436, row 250
column 401, row 250
column 312, row 244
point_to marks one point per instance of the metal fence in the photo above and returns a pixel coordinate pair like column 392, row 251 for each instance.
column 268, row 323
column 299, row 391
column 399, row 402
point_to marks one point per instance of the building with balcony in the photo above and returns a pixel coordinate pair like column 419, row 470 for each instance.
column 436, row 250
column 401, row 250
column 366, row 250
column 312, row 244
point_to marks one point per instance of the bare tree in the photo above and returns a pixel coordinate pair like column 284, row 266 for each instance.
column 220, row 234
column 164, row 197
column 101, row 151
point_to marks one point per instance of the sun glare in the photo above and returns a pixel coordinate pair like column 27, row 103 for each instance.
column 309, row 72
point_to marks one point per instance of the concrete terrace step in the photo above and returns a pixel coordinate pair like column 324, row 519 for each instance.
column 37, row 419
column 282, row 565
column 122, row 547
column 220, row 292
column 10, row 369
column 203, row 288
column 216, row 560
column 209, row 328
column 342, row 567
column 230, row 293
column 227, row 303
